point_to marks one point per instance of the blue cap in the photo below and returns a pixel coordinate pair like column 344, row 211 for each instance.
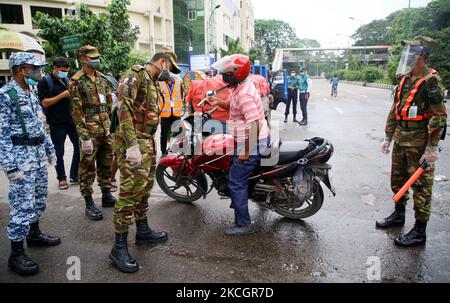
column 21, row 58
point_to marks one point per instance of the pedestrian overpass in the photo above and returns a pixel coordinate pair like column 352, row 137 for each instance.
column 378, row 55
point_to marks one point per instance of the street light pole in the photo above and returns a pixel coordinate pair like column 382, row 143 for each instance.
column 364, row 38
column 209, row 31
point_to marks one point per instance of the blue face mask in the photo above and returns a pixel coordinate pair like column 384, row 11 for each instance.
column 31, row 82
column 62, row 75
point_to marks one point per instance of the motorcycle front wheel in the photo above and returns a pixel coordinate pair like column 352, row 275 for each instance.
column 298, row 211
column 188, row 190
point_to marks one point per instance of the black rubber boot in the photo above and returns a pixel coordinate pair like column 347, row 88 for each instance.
column 108, row 199
column 120, row 256
column 92, row 212
column 145, row 235
column 37, row 238
column 397, row 218
column 19, row 262
column 416, row 237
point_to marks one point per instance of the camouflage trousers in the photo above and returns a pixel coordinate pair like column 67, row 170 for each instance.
column 98, row 164
column 135, row 186
column 405, row 162
column 27, row 199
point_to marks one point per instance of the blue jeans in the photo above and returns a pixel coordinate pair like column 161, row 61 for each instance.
column 238, row 184
column 58, row 135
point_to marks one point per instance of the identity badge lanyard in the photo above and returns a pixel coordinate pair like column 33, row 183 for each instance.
column 170, row 86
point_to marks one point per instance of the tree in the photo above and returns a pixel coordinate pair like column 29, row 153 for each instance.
column 374, row 33
column 432, row 20
column 257, row 53
column 304, row 43
column 273, row 34
column 110, row 32
column 234, row 47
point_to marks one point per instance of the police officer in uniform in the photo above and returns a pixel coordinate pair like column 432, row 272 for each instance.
column 415, row 123
column 25, row 152
column 92, row 102
column 138, row 117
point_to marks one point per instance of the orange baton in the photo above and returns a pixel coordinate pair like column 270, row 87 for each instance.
column 419, row 172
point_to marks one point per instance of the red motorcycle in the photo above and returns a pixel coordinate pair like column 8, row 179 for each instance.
column 291, row 187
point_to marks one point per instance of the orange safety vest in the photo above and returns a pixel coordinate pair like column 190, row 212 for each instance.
column 403, row 114
column 173, row 103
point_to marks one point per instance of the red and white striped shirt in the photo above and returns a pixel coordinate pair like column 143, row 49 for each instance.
column 245, row 108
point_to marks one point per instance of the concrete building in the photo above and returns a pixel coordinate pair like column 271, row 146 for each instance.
column 208, row 25
column 153, row 17
column 247, row 24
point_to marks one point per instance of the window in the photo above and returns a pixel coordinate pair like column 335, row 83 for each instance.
column 192, row 15
column 51, row 11
column 11, row 14
column 226, row 40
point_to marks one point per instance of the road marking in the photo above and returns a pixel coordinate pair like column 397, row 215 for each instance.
column 339, row 110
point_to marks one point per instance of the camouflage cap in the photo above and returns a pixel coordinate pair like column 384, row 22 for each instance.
column 89, row 51
column 173, row 59
column 21, row 58
column 421, row 41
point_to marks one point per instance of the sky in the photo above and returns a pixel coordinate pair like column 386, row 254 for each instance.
column 328, row 20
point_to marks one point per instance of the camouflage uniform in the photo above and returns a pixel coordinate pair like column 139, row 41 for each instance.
column 411, row 138
column 27, row 197
column 91, row 107
column 138, row 121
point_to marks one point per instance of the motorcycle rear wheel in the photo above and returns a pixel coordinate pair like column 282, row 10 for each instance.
column 166, row 181
column 314, row 205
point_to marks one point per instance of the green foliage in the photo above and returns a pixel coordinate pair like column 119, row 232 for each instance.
column 257, row 53
column 304, row 43
column 369, row 74
column 273, row 34
column 372, row 74
column 234, row 47
column 432, row 20
column 110, row 32
column 138, row 57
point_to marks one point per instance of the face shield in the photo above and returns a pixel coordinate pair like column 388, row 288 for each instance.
column 410, row 56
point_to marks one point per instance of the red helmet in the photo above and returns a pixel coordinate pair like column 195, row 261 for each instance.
column 234, row 69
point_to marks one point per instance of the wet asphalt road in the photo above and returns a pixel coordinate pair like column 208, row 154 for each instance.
column 332, row 246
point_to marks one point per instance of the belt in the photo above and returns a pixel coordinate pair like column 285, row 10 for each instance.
column 92, row 110
column 413, row 124
column 19, row 140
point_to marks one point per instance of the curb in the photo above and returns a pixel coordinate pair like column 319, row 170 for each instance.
column 373, row 85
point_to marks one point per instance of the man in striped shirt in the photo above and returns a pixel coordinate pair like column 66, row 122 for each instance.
column 249, row 127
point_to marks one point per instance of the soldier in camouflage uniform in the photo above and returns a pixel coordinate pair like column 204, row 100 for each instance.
column 416, row 123
column 138, row 117
column 25, row 152
column 91, row 103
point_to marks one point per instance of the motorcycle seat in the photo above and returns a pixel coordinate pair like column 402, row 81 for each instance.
column 291, row 151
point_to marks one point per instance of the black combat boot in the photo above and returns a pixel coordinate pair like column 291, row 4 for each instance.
column 120, row 256
column 19, row 262
column 37, row 238
column 416, row 237
column 295, row 118
column 145, row 235
column 397, row 218
column 92, row 212
column 108, row 199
